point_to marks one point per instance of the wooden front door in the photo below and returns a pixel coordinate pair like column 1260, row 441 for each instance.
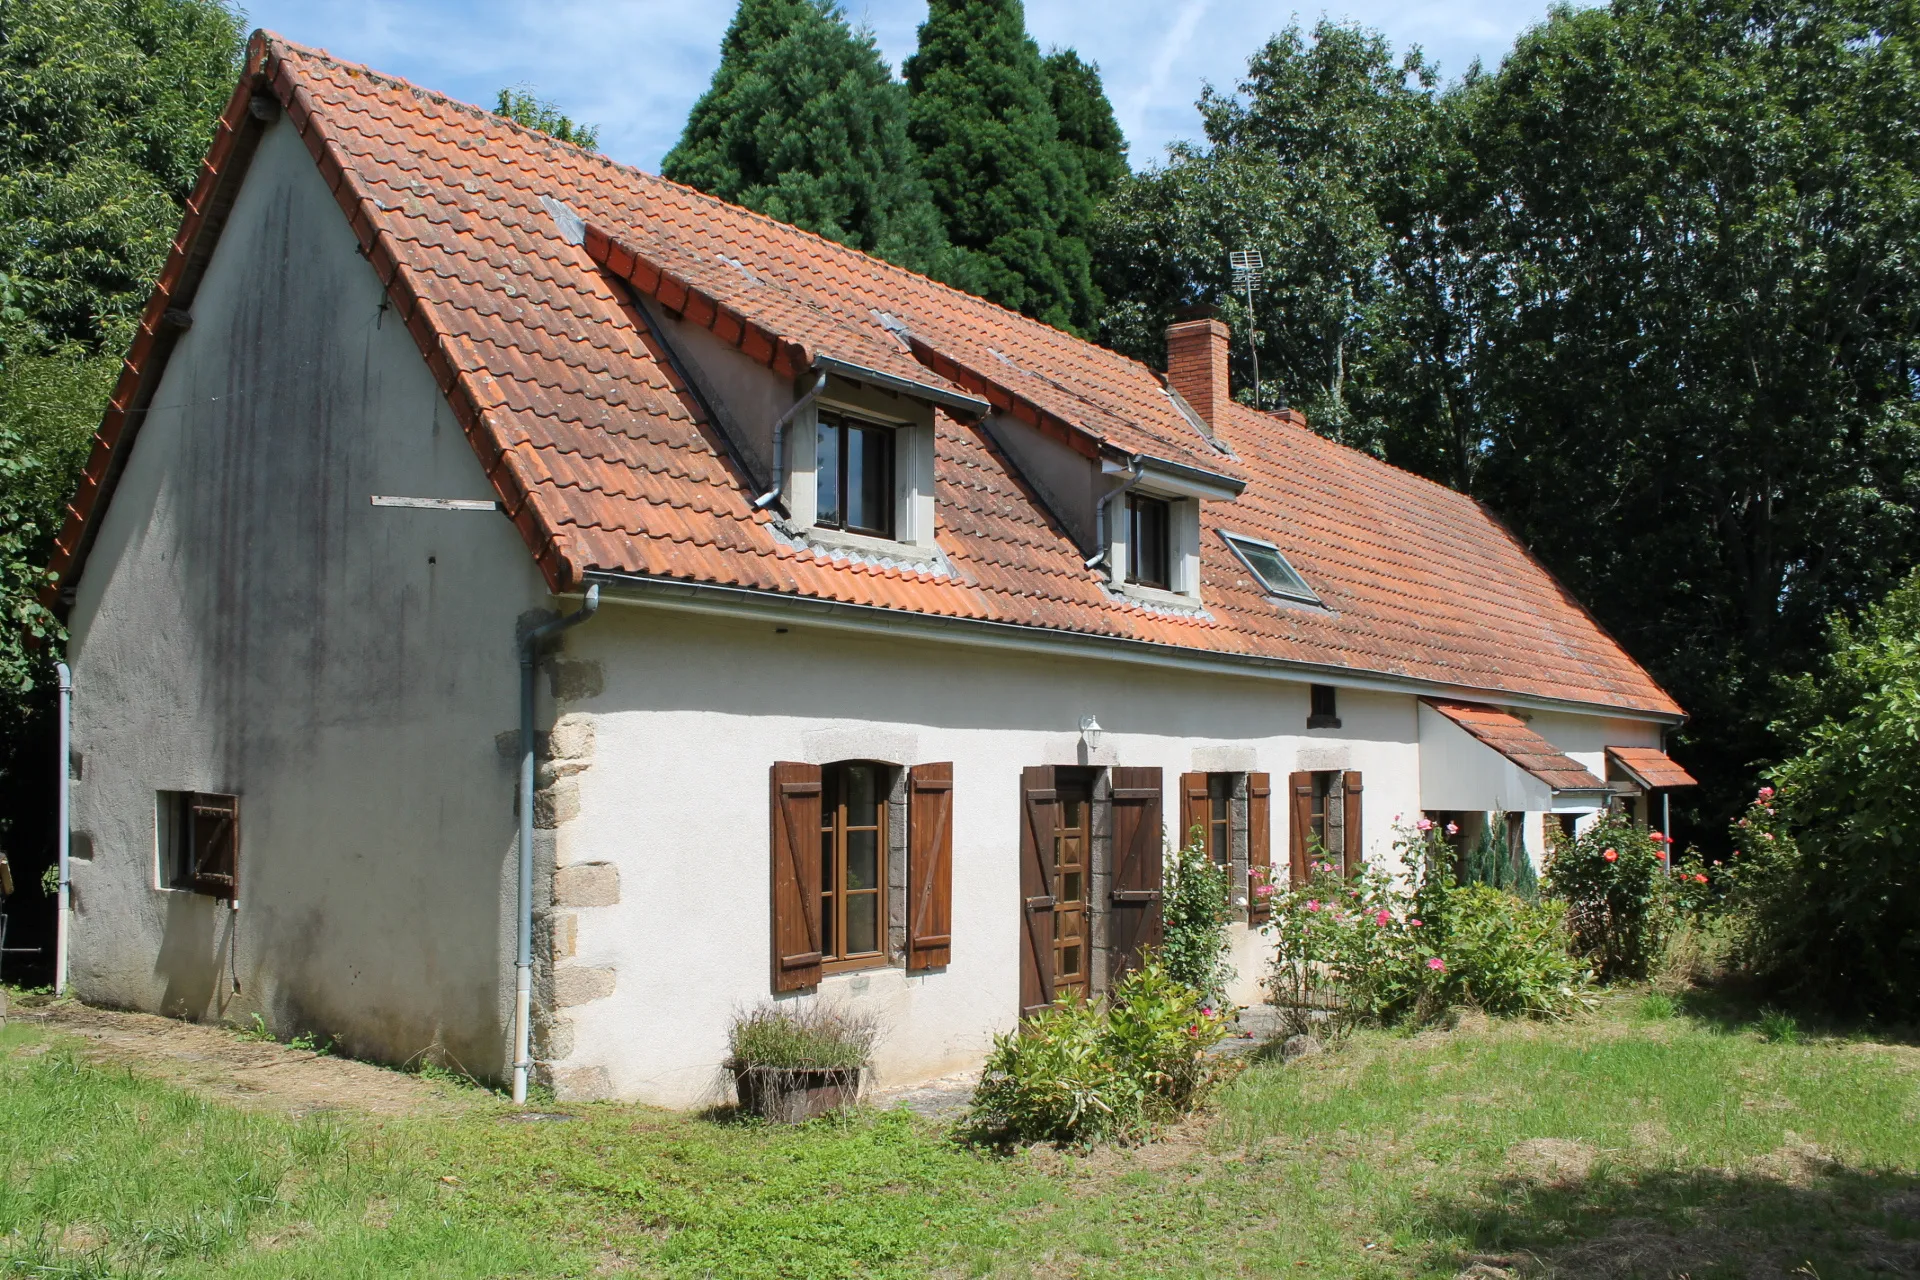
column 1072, row 869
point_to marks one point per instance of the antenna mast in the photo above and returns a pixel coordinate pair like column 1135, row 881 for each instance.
column 1249, row 273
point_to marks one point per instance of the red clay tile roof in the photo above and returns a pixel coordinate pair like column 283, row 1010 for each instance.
column 601, row 457
column 1510, row 736
column 1651, row 767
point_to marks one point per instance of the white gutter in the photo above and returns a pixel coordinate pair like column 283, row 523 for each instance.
column 63, row 823
column 742, row 602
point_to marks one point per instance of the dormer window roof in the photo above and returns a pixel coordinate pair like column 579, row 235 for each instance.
column 1270, row 569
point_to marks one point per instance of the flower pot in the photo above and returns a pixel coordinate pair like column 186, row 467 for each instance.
column 788, row 1095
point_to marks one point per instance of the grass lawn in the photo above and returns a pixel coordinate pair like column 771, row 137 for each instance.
column 1639, row 1141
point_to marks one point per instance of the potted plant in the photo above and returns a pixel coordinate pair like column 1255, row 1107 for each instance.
column 794, row 1061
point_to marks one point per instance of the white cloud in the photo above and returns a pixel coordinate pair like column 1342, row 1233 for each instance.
column 635, row 67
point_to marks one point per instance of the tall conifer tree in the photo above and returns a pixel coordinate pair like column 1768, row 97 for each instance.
column 1087, row 126
column 1013, row 197
column 804, row 122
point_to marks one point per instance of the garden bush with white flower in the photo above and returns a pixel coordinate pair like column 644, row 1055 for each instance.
column 1376, row 948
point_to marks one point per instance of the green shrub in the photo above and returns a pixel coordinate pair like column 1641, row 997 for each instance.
column 1195, row 914
column 1506, row 955
column 1082, row 1072
column 1375, row 948
column 1612, row 879
column 798, row 1035
column 1824, row 887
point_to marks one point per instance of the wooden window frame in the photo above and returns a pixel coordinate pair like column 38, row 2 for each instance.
column 198, row 839
column 846, row 425
column 833, row 897
column 1137, row 571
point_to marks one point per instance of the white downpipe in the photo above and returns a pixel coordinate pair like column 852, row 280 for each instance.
column 63, row 823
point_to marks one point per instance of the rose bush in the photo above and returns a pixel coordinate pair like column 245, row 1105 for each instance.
column 1612, row 879
column 1380, row 948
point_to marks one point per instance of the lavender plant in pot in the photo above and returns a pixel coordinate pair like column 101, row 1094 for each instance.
column 794, row 1061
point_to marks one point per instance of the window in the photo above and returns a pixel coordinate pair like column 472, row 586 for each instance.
column 1323, row 711
column 853, row 865
column 199, row 841
column 1270, row 568
column 1149, row 557
column 853, row 476
column 1219, row 824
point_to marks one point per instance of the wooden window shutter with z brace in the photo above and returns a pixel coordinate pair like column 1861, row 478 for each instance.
column 796, row 875
column 929, row 866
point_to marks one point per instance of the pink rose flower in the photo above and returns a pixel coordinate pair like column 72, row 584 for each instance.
column 1381, row 917
column 1264, row 891
column 1766, row 793
column 1453, row 828
column 1425, row 824
column 1437, row 964
column 1611, row 855
column 1414, row 923
column 1313, row 905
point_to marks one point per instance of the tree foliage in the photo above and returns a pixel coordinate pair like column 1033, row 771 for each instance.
column 1647, row 289
column 1014, row 199
column 1825, row 883
column 108, row 105
column 527, row 109
column 805, row 123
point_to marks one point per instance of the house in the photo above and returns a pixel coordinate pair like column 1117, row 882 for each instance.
column 879, row 639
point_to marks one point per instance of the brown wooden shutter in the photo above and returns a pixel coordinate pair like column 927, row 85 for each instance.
column 929, row 865
column 214, row 827
column 1299, row 822
column 796, row 876
column 1259, row 844
column 1133, row 917
column 1039, row 813
column 1356, row 851
column 1195, row 809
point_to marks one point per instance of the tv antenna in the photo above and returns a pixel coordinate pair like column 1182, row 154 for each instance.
column 1249, row 273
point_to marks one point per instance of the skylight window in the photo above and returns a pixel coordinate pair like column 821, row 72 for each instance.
column 1270, row 568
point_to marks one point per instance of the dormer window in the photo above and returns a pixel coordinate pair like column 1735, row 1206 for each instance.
column 1149, row 531
column 853, row 476
column 1270, row 569
column 861, row 473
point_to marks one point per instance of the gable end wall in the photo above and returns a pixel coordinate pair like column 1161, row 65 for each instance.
column 249, row 622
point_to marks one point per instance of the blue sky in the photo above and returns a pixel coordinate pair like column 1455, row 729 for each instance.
column 634, row 67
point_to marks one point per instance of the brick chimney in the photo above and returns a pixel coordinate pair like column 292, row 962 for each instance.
column 1197, row 365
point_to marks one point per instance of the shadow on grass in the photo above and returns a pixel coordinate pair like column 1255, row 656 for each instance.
column 1738, row 1004
column 1808, row 1217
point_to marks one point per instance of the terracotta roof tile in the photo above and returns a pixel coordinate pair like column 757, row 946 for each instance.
column 1651, row 766
column 566, row 403
column 1510, row 736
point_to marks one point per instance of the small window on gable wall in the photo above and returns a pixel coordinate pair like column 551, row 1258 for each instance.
column 1270, row 569
column 199, row 842
column 853, row 476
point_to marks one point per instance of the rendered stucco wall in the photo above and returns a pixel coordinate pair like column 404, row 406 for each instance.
column 693, row 711
column 249, row 623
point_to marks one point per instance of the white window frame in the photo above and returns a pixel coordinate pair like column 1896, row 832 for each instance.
column 913, row 468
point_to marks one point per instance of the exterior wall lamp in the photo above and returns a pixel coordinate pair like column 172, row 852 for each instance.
column 1090, row 732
